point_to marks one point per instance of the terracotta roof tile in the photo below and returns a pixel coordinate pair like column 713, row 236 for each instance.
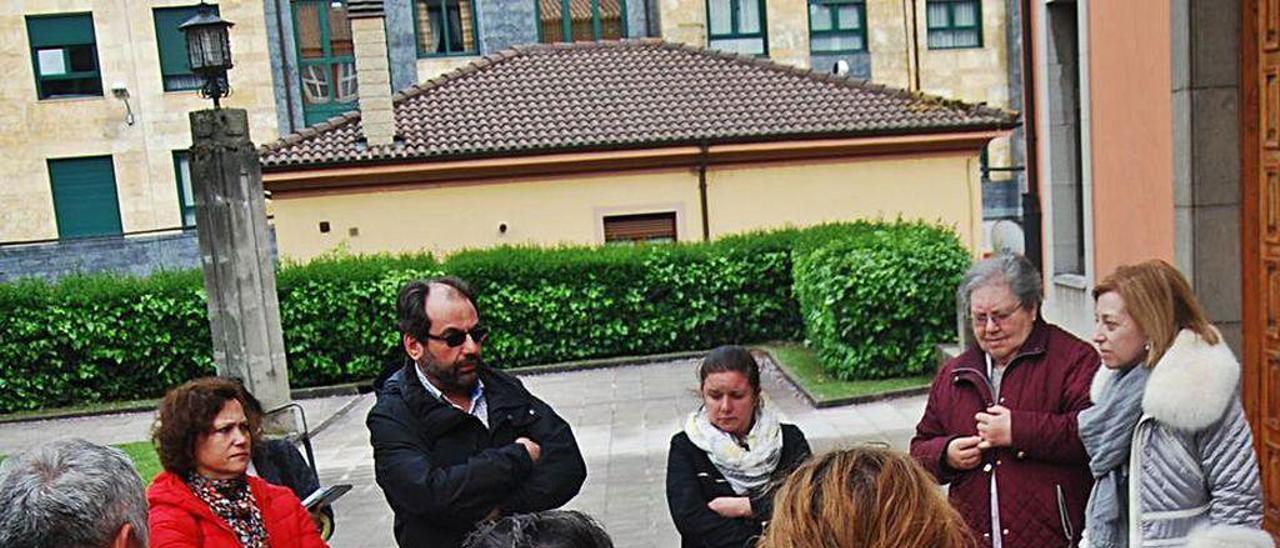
column 628, row 94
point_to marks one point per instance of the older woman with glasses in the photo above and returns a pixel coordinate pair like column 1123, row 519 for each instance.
column 204, row 497
column 1168, row 441
column 1000, row 425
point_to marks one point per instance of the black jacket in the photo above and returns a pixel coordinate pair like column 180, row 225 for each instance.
column 279, row 462
column 442, row 471
column 692, row 482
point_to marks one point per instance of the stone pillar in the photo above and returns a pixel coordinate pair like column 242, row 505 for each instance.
column 373, row 73
column 239, row 277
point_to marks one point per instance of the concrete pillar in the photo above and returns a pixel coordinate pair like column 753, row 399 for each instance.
column 231, row 220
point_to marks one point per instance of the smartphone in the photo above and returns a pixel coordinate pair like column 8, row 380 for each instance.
column 324, row 497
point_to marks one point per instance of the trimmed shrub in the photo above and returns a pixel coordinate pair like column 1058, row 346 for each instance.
column 104, row 338
column 101, row 338
column 339, row 315
column 573, row 303
column 876, row 302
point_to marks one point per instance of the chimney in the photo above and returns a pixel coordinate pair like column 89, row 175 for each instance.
column 373, row 71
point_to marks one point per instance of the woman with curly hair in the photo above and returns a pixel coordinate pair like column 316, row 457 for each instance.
column 204, row 497
column 866, row 497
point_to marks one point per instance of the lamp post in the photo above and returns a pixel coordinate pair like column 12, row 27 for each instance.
column 231, row 224
column 209, row 50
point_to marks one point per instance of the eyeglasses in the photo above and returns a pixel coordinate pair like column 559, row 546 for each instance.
column 1000, row 318
column 454, row 338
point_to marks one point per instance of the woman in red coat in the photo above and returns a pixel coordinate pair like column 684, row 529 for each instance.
column 205, row 498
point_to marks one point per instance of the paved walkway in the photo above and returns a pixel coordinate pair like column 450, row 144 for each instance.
column 623, row 418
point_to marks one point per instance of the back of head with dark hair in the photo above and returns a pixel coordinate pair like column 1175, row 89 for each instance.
column 550, row 529
column 411, row 304
column 188, row 411
column 71, row 494
column 731, row 358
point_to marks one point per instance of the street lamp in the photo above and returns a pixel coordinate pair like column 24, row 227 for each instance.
column 209, row 50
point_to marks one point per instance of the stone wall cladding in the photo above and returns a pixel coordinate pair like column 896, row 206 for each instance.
column 859, row 63
column 506, row 23
column 132, row 256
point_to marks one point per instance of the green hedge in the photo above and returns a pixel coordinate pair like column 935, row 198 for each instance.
column 876, row 302
column 105, row 338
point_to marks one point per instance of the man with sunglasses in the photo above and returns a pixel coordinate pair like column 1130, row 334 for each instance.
column 456, row 442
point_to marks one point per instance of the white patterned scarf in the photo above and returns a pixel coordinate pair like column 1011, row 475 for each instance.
column 747, row 470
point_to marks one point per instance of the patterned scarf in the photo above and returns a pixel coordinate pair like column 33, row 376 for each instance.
column 747, row 469
column 233, row 501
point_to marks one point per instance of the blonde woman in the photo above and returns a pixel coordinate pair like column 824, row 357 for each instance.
column 867, row 497
column 1169, row 446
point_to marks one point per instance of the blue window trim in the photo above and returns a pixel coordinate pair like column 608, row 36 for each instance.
column 734, row 34
column 951, row 17
column 566, row 21
column 183, row 209
column 417, row 31
column 836, row 30
column 63, row 42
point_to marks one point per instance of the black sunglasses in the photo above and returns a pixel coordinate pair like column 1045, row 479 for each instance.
column 454, row 338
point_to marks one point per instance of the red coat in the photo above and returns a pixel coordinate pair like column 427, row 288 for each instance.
column 1043, row 479
column 180, row 518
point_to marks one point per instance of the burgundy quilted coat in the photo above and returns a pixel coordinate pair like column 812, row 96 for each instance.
column 1043, row 479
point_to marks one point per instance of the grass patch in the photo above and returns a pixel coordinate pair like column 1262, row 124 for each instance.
column 144, row 459
column 801, row 363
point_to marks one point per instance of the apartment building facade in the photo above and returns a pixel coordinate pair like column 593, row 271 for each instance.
column 96, row 110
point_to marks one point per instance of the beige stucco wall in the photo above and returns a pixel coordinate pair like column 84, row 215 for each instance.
column 935, row 188
column 33, row 131
column 570, row 209
column 449, row 217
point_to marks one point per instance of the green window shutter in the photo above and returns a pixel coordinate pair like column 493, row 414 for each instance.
column 60, row 30
column 84, row 197
column 173, row 44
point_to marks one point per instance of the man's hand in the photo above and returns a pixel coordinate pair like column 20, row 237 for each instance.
column 731, row 507
column 964, row 453
column 535, row 450
column 994, row 427
column 493, row 514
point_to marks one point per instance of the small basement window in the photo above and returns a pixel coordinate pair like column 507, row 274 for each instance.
column 642, row 228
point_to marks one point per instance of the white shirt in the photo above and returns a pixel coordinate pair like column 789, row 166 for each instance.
column 479, row 406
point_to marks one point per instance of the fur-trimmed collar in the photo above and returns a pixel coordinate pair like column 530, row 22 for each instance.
column 1190, row 387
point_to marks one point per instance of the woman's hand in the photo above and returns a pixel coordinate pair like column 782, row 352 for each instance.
column 731, row 507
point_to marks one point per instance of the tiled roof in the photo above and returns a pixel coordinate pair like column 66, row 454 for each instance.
column 629, row 94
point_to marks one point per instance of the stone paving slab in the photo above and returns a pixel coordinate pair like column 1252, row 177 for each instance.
column 125, row 427
column 623, row 418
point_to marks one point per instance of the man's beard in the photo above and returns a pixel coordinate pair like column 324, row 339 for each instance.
column 449, row 379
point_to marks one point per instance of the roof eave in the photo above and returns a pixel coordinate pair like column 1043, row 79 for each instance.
column 420, row 171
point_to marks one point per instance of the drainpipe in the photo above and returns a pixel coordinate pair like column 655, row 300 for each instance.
column 702, row 190
column 915, row 45
column 284, row 66
column 1031, row 198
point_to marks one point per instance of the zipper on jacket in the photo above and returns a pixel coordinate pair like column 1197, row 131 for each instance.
column 1135, row 481
column 1064, row 515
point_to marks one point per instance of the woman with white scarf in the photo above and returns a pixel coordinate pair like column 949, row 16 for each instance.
column 1169, row 445
column 722, row 466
